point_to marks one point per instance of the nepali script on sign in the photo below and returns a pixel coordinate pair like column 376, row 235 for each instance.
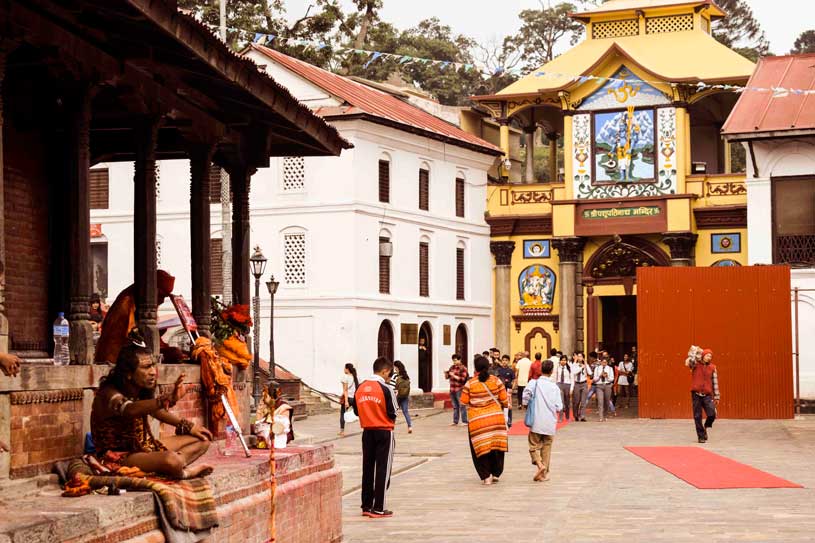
column 616, row 212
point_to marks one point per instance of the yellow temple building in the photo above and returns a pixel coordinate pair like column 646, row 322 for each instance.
column 646, row 178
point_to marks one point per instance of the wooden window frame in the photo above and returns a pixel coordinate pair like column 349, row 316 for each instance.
column 460, row 197
column 424, row 189
column 460, row 271
column 214, row 179
column 424, row 269
column 774, row 214
column 99, row 188
column 384, row 181
column 216, row 276
column 384, row 270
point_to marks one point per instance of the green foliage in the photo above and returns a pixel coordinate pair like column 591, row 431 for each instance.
column 740, row 30
column 541, row 29
column 805, row 43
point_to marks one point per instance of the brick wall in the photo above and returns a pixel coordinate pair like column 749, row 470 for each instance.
column 46, row 426
column 27, row 246
column 190, row 407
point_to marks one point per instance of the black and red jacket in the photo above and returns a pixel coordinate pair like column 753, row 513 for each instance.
column 375, row 404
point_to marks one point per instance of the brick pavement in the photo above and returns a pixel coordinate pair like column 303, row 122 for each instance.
column 598, row 491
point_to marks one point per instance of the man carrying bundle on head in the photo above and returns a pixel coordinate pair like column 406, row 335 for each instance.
column 704, row 389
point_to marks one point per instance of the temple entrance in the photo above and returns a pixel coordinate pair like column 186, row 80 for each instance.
column 619, row 324
column 461, row 344
column 384, row 342
column 538, row 341
column 426, row 357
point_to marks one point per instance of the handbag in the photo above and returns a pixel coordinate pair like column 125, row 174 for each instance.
column 504, row 410
column 529, row 417
column 350, row 416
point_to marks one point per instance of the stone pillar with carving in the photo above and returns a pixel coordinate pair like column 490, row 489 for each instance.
column 682, row 246
column 79, row 224
column 502, row 250
column 569, row 252
column 553, row 170
column 200, row 160
column 239, row 178
column 529, row 164
column 144, row 231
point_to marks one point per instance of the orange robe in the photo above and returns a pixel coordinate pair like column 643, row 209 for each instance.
column 216, row 374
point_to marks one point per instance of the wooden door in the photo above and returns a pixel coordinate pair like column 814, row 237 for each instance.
column 425, row 348
column 538, row 341
column 741, row 313
column 461, row 344
column 385, row 341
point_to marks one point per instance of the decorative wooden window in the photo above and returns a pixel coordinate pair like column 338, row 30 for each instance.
column 615, row 29
column 705, row 25
column 384, row 181
column 99, row 186
column 294, row 259
column 459, row 274
column 216, row 266
column 215, row 176
column 424, row 269
column 424, row 190
column 384, row 267
column 672, row 23
column 459, row 197
column 794, row 221
column 294, row 173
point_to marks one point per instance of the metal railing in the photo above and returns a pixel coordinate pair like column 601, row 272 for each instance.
column 797, row 250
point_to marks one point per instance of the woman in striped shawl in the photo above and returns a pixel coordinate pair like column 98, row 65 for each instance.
column 486, row 398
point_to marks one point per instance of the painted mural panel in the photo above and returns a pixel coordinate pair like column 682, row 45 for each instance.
column 624, row 146
column 623, row 89
column 666, row 149
column 536, row 285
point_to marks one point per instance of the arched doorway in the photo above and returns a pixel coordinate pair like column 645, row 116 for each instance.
column 538, row 341
column 425, row 357
column 461, row 344
column 384, row 340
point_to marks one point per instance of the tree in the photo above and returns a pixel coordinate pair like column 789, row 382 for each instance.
column 542, row 29
column 804, row 44
column 740, row 30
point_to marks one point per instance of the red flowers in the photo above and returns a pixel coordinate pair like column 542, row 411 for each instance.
column 237, row 314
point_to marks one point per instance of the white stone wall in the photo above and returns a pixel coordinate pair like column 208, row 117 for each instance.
column 335, row 316
column 779, row 158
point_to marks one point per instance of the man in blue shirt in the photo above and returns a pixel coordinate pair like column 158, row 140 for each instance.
column 547, row 402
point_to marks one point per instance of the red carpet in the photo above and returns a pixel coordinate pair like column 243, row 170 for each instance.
column 704, row 469
column 520, row 429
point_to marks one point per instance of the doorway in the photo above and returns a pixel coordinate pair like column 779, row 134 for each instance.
column 619, row 324
column 461, row 345
column 384, row 342
column 425, row 357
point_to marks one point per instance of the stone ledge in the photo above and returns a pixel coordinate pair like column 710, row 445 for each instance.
column 240, row 485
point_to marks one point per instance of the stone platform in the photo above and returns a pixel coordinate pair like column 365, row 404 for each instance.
column 308, row 504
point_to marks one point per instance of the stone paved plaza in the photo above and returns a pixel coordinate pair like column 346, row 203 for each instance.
column 598, row 491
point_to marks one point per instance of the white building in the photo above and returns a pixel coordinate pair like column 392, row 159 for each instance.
column 373, row 250
column 779, row 135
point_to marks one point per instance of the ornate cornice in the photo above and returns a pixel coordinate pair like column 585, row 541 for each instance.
column 510, row 225
column 569, row 249
column 532, row 196
column 46, row 396
column 518, row 319
column 502, row 250
column 681, row 244
column 721, row 217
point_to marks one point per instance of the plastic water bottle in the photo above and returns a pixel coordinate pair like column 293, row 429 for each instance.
column 62, row 356
column 231, row 440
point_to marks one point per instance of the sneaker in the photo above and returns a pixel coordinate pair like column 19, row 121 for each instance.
column 410, row 430
column 380, row 514
column 453, row 424
column 365, row 512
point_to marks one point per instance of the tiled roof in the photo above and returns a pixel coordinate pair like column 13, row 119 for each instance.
column 761, row 112
column 363, row 100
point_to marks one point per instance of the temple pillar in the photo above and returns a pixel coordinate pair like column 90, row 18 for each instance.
column 4, row 331
column 80, row 344
column 569, row 252
column 681, row 245
column 502, row 250
column 239, row 178
column 553, row 137
column 529, row 165
column 144, row 228
column 200, row 160
column 503, row 133
column 591, row 317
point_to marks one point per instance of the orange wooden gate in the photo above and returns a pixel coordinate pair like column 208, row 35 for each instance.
column 742, row 313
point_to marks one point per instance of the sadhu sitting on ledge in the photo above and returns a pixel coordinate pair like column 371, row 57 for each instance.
column 119, row 420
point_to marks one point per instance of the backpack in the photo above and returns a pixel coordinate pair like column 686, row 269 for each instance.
column 402, row 389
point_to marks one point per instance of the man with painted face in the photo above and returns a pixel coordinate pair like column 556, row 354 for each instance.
column 120, row 424
column 704, row 390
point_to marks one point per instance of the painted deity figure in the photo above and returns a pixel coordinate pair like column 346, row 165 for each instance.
column 537, row 288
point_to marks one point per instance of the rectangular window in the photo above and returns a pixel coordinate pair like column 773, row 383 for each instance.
column 99, row 187
column 294, row 259
column 214, row 184
column 384, row 269
column 459, row 197
column 424, row 190
column 459, row 274
column 424, row 268
column 384, row 181
column 294, row 173
column 216, row 266
column 99, row 270
column 794, row 221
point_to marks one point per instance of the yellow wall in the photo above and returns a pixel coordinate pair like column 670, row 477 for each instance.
column 704, row 256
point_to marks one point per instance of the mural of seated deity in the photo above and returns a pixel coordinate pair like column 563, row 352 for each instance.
column 536, row 285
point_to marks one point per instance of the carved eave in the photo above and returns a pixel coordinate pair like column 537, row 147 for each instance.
column 717, row 217
column 511, row 225
column 519, row 319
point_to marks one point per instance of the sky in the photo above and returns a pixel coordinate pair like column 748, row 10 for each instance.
column 488, row 20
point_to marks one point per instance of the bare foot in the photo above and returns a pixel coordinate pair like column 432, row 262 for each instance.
column 494, row 479
column 486, row 481
column 341, row 434
column 410, row 430
column 540, row 473
column 201, row 470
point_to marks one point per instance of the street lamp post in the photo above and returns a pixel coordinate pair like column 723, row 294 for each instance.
column 272, row 285
column 258, row 262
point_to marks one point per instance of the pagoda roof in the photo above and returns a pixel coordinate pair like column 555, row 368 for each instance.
column 678, row 57
column 613, row 6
